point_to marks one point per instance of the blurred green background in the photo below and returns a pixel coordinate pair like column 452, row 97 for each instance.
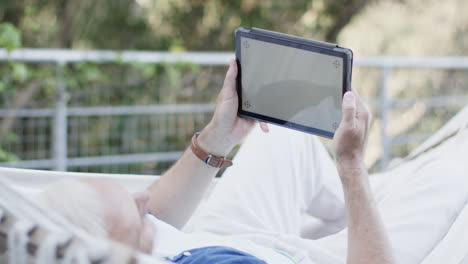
column 369, row 27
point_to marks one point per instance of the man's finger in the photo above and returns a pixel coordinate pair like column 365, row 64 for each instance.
column 264, row 127
column 361, row 108
column 141, row 200
column 349, row 108
column 359, row 102
column 230, row 80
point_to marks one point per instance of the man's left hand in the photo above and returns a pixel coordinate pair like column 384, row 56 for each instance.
column 226, row 129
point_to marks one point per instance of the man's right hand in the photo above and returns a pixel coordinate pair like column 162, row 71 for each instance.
column 350, row 138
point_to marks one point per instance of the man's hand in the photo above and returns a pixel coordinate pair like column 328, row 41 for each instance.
column 368, row 241
column 350, row 138
column 226, row 129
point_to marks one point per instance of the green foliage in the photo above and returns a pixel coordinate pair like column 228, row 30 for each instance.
column 7, row 156
column 87, row 72
column 147, row 70
column 20, row 72
column 10, row 37
column 176, row 25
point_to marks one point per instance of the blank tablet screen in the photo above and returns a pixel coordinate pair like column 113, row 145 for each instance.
column 291, row 84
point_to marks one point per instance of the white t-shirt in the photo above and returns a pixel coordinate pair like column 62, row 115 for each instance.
column 170, row 241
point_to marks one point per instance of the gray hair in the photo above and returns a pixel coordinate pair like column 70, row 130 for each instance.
column 78, row 203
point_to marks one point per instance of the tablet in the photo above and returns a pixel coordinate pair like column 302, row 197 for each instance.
column 291, row 81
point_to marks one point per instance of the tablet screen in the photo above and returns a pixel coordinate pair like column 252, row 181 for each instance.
column 292, row 84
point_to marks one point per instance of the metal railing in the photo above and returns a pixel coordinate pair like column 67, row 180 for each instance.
column 62, row 111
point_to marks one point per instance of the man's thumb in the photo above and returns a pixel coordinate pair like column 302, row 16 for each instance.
column 230, row 79
column 349, row 108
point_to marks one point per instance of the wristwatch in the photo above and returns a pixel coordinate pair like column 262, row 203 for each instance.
column 209, row 159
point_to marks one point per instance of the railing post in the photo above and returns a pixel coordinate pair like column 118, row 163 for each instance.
column 385, row 104
column 59, row 139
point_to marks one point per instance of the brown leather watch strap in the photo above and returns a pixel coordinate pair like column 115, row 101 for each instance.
column 212, row 160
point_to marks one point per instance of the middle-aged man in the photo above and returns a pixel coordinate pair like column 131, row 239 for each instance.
column 283, row 200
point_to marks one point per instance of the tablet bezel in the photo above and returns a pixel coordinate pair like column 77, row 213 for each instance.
column 298, row 43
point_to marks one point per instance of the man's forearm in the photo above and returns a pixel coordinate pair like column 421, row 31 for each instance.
column 367, row 239
column 179, row 191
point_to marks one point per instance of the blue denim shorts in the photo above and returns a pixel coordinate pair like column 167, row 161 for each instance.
column 215, row 255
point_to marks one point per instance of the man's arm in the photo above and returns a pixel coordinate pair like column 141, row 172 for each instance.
column 179, row 191
column 367, row 239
